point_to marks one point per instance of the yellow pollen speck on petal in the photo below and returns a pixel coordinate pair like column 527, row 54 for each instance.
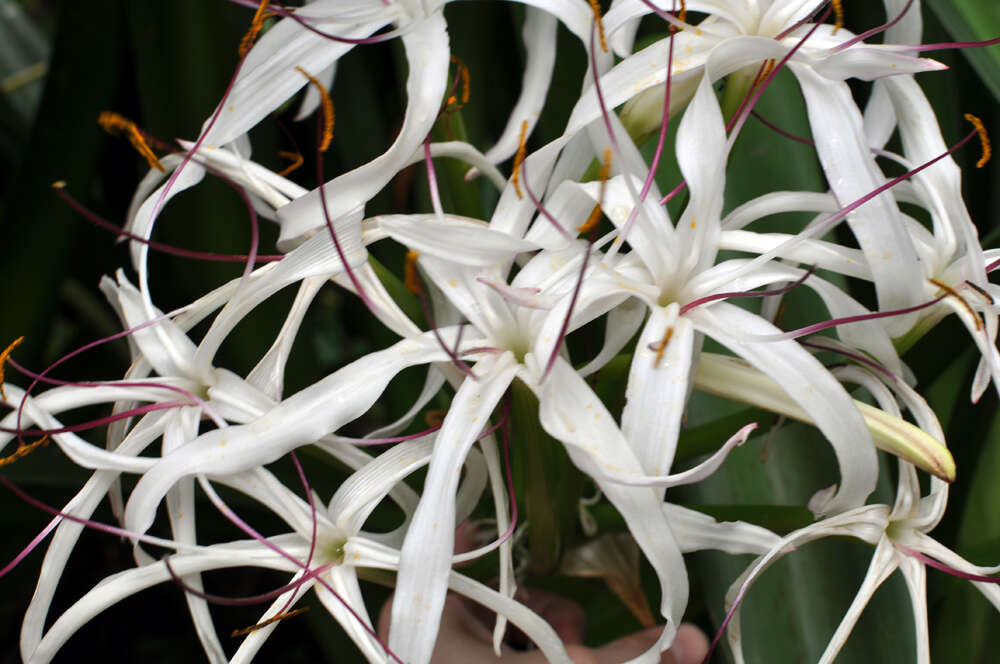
column 3, row 361
column 327, row 105
column 595, row 7
column 411, row 279
column 24, row 450
column 518, row 158
column 295, row 158
column 114, row 123
column 984, row 139
column 269, row 621
column 693, row 224
column 951, row 292
column 255, row 26
column 838, row 12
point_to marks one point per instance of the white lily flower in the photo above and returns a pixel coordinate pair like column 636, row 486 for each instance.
column 738, row 39
column 330, row 543
column 950, row 256
column 899, row 534
column 677, row 280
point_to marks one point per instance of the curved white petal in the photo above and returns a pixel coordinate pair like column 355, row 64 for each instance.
column 427, row 54
column 810, row 385
column 425, row 559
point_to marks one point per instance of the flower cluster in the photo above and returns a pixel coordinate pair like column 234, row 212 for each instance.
column 562, row 324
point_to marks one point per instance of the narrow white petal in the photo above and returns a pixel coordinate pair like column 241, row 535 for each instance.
column 696, row 531
column 810, row 385
column 658, row 385
column 427, row 54
column 300, row 419
column 852, row 173
column 425, row 559
column 882, row 565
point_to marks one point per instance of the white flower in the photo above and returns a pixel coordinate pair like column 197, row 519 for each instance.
column 899, row 535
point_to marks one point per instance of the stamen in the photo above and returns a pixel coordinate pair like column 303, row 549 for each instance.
column 953, row 293
column 683, row 13
column 434, row 418
column 296, row 159
column 269, row 621
column 327, row 109
column 984, row 139
column 24, row 450
column 3, row 360
column 518, row 158
column 595, row 7
column 112, row 123
column 595, row 214
column 947, row 569
column 664, row 342
column 981, row 291
column 246, row 43
column 463, row 72
column 838, row 11
column 410, row 276
column 100, row 222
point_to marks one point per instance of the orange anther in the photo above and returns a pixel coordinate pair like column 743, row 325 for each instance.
column 411, row 279
column 24, row 450
column 434, row 418
column 953, row 293
column 595, row 214
column 518, row 158
column 295, row 158
column 664, row 342
column 838, row 12
column 683, row 14
column 114, row 123
column 255, row 26
column 463, row 73
column 984, row 139
column 327, row 109
column 3, row 360
column 269, row 621
column 595, row 7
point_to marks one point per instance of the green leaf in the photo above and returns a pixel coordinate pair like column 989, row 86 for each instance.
column 974, row 20
column 793, row 610
column 967, row 622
